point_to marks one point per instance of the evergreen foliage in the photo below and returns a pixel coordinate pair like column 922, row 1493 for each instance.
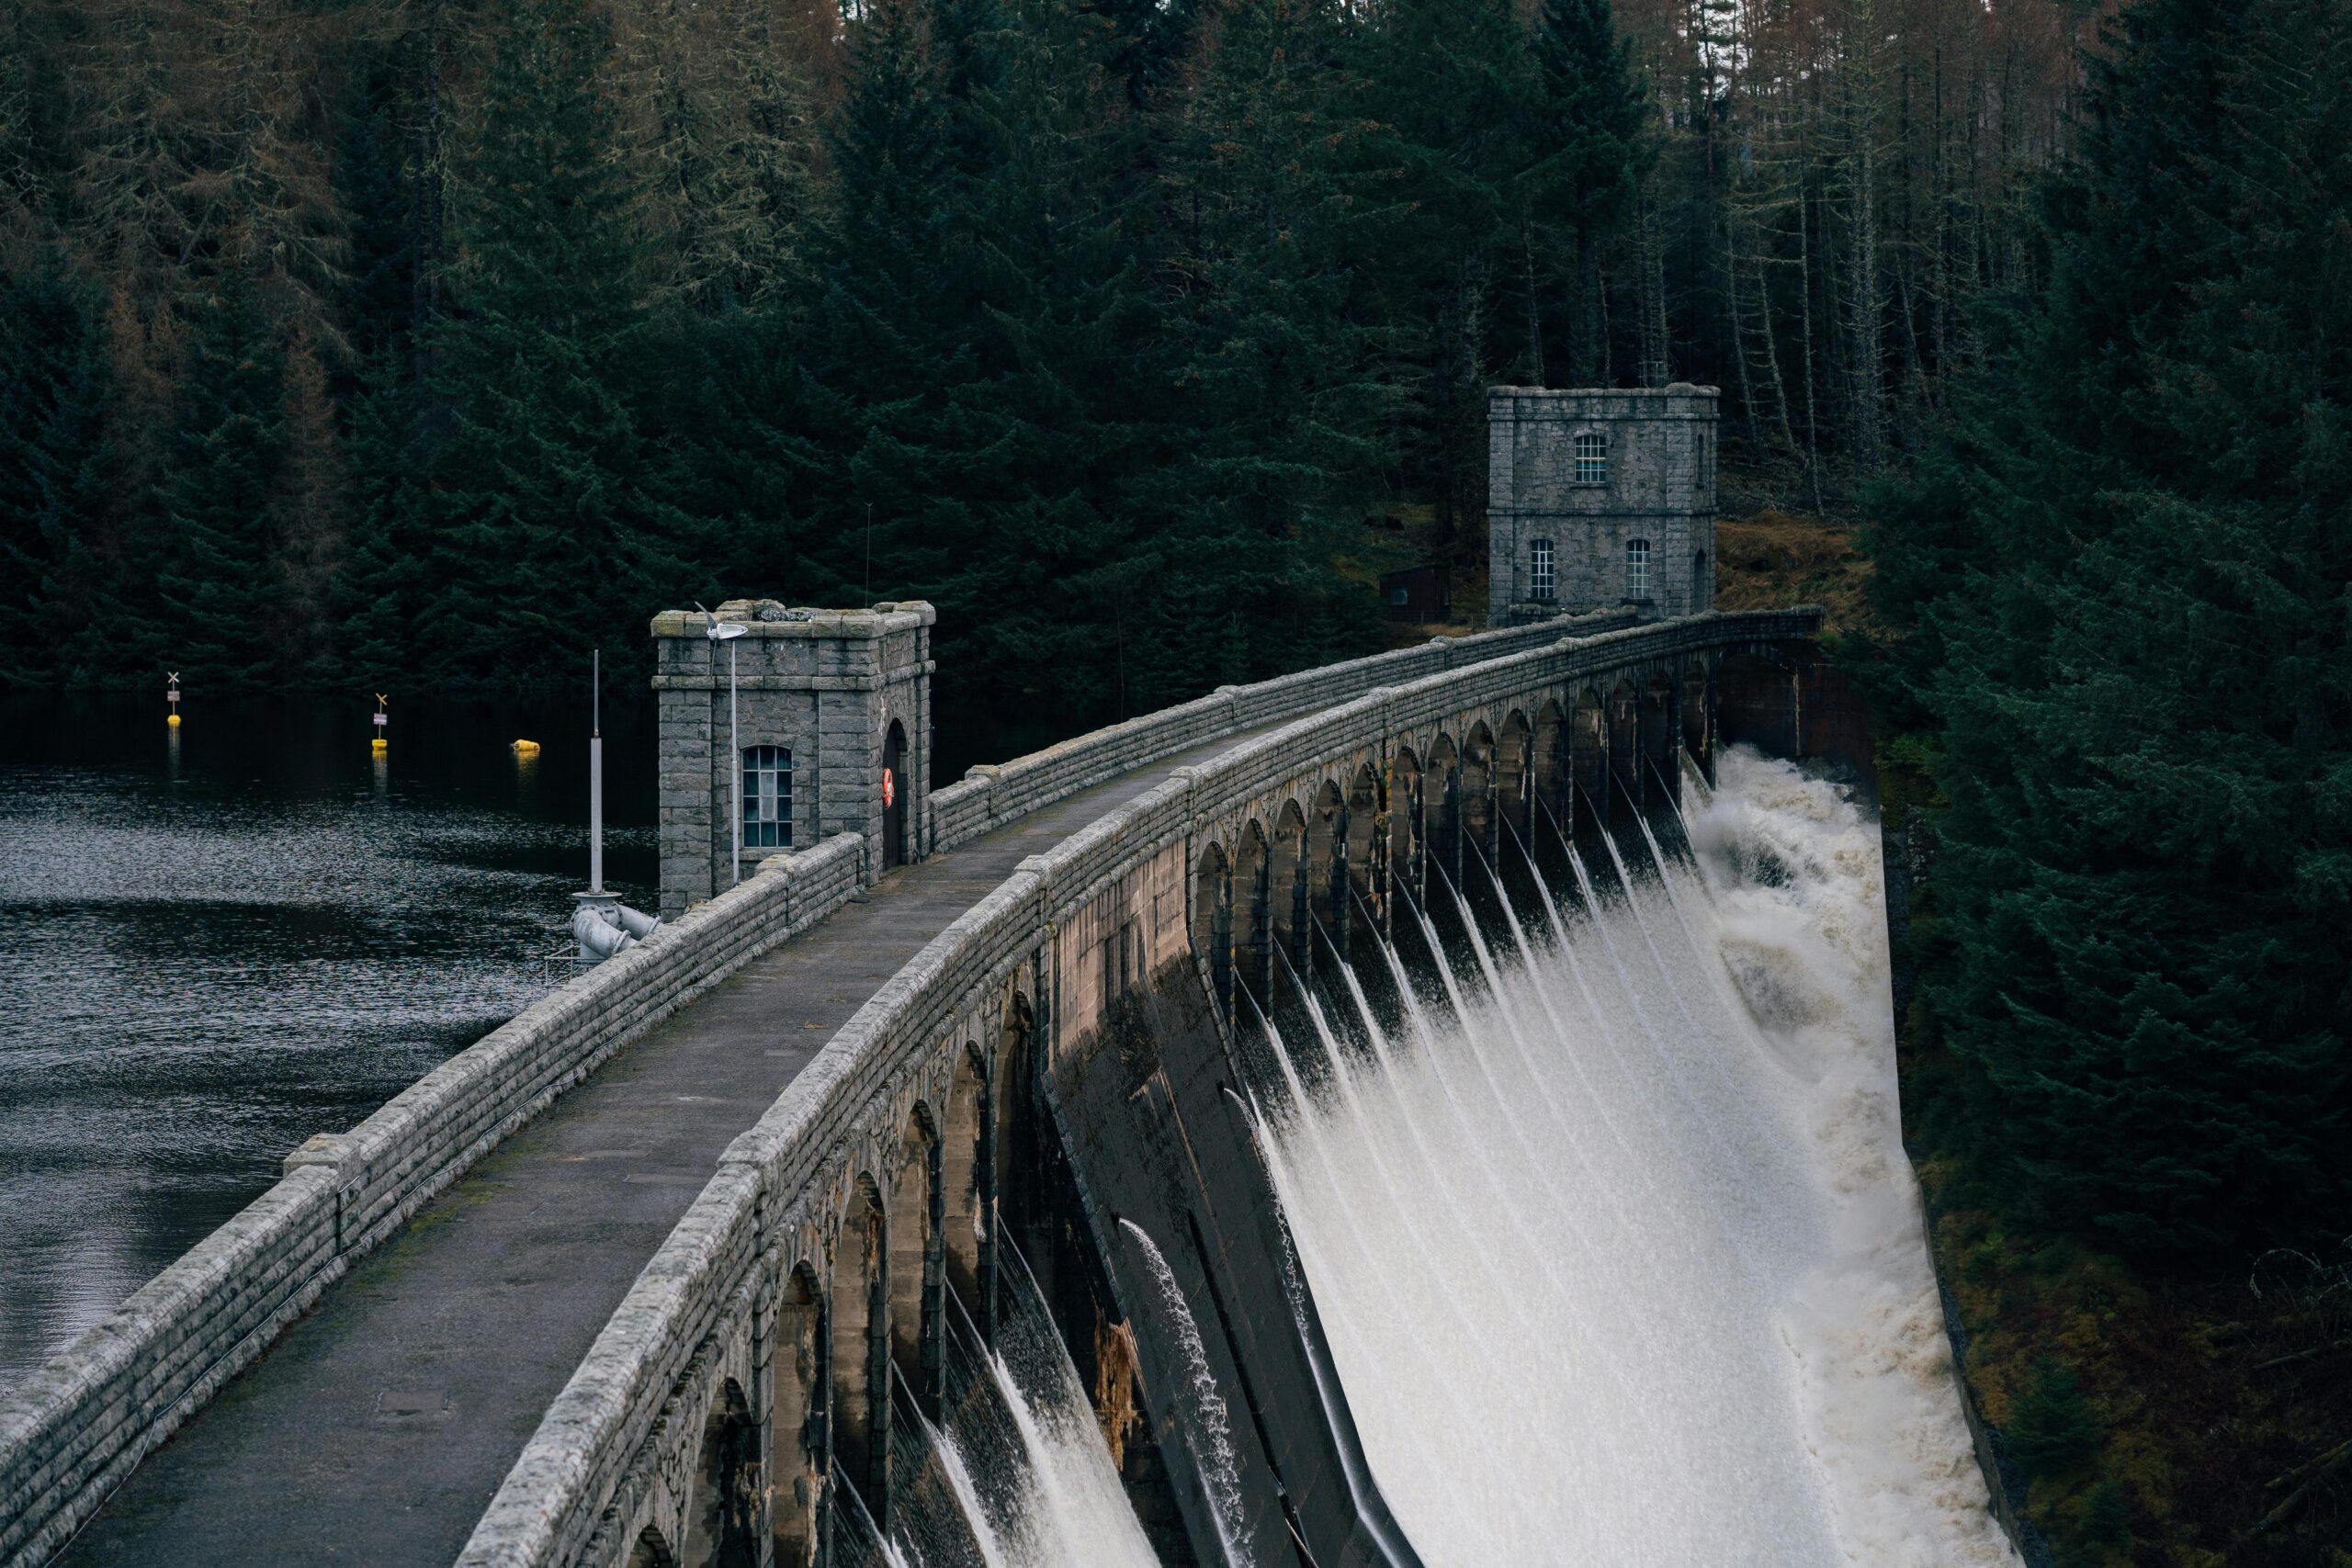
column 56, row 477
column 215, row 581
column 543, row 528
column 2127, row 571
column 1102, row 324
column 1280, row 384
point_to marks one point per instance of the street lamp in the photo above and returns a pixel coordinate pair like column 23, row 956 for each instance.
column 720, row 631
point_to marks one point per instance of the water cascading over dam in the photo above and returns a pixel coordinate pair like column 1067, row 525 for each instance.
column 1611, row 1226
column 1590, row 1204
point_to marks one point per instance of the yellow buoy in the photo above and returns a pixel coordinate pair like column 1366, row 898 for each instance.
column 174, row 720
column 527, row 748
column 379, row 745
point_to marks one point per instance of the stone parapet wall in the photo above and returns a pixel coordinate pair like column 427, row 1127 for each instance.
column 990, row 796
column 71, row 1432
column 567, row 1499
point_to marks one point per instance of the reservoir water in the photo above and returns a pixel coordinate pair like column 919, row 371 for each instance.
column 218, row 941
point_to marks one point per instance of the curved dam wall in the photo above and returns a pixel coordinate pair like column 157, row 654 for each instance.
column 70, row 1431
column 735, row 1394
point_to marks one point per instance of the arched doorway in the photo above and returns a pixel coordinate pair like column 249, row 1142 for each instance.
column 894, row 796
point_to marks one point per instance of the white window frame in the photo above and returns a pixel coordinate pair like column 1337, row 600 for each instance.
column 1592, row 458
column 1543, row 570
column 1637, row 569
column 767, row 797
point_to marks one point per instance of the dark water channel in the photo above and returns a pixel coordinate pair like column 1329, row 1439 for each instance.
column 217, row 942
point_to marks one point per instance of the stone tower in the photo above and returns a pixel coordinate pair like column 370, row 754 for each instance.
column 827, row 701
column 1599, row 497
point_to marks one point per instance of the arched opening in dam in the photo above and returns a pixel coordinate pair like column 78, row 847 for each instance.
column 722, row 1513
column 1566, row 1222
column 860, row 1360
column 800, row 1378
column 1588, row 761
column 917, row 1313
column 967, row 1179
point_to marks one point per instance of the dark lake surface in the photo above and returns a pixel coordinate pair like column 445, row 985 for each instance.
column 219, row 941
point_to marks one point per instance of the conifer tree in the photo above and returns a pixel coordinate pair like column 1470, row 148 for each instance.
column 1067, row 334
column 216, row 582
column 2128, row 574
column 379, row 285
column 1276, row 371
column 388, row 583
column 544, row 538
column 917, row 465
column 1589, row 156
column 55, row 473
column 1455, row 92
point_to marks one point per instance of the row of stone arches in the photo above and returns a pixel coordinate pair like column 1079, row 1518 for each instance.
column 862, row 1317
column 1346, row 851
column 1337, row 847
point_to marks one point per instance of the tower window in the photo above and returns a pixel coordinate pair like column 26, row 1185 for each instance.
column 1638, row 569
column 1539, row 569
column 1592, row 458
column 767, row 797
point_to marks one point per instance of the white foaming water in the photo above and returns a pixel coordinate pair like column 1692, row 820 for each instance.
column 1621, row 1263
column 1209, row 1428
column 968, row 1496
column 1026, row 1463
column 1070, row 1510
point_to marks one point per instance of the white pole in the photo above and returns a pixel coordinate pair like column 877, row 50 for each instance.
column 735, row 761
column 596, row 772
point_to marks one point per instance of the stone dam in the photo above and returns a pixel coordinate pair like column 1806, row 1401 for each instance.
column 937, row 1135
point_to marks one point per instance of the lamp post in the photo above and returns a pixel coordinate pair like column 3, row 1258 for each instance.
column 596, row 773
column 720, row 631
column 597, row 918
column 603, row 925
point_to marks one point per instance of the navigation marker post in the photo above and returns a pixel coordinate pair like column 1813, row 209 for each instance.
column 379, row 744
column 172, row 695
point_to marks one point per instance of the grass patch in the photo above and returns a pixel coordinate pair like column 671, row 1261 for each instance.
column 1771, row 560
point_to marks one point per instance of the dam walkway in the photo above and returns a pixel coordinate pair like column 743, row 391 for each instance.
column 378, row 1427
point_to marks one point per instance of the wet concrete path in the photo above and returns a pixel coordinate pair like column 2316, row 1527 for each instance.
column 378, row 1427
